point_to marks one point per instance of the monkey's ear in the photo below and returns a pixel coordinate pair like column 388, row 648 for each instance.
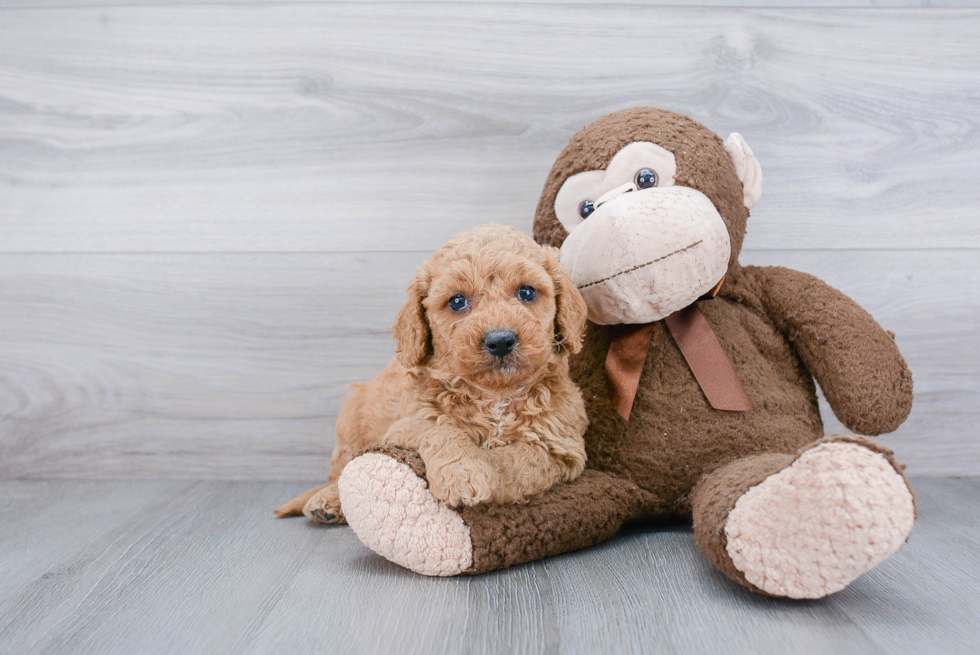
column 412, row 336
column 748, row 168
column 571, row 311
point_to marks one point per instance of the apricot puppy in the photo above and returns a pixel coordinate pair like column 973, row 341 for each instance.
column 480, row 384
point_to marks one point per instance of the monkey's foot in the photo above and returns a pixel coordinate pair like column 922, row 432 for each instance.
column 811, row 528
column 392, row 511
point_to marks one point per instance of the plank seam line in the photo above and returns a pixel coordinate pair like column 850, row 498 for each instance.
column 431, row 251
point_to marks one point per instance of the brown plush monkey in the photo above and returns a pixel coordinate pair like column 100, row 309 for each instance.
column 698, row 375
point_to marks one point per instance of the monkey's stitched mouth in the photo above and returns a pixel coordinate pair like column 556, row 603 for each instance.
column 639, row 266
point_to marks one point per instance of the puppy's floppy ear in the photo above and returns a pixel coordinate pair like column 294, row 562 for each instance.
column 412, row 336
column 571, row 311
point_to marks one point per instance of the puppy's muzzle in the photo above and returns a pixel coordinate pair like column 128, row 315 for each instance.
column 499, row 343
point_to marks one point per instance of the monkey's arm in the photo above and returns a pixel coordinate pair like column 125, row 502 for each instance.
column 855, row 361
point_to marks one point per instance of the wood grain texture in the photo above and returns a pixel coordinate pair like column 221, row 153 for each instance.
column 35, row 518
column 204, row 568
column 391, row 127
column 233, row 365
column 831, row 4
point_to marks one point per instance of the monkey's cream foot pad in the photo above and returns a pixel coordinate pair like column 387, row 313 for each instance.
column 392, row 512
column 811, row 529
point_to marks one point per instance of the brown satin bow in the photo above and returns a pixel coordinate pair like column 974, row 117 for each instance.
column 697, row 342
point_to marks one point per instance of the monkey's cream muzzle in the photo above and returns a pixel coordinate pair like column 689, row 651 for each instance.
column 642, row 255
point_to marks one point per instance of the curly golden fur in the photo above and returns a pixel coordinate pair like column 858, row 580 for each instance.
column 489, row 428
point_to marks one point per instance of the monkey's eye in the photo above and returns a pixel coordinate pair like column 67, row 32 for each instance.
column 586, row 209
column 458, row 303
column 527, row 294
column 646, row 178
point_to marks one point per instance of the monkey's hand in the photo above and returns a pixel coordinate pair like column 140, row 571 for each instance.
column 855, row 361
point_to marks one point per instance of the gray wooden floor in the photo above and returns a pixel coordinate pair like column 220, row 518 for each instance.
column 203, row 567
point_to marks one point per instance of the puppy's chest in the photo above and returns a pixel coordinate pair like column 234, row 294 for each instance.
column 494, row 423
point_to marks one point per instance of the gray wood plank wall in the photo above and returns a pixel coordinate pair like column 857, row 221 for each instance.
column 209, row 213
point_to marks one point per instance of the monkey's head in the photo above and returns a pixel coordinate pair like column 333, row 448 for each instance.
column 649, row 208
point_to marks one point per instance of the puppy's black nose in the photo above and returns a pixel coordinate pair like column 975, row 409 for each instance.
column 499, row 343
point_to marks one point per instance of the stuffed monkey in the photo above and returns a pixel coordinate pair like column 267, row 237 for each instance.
column 698, row 376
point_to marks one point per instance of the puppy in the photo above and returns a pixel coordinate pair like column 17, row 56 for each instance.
column 480, row 384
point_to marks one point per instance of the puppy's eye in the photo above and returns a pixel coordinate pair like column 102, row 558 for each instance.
column 646, row 178
column 527, row 294
column 458, row 303
column 586, row 209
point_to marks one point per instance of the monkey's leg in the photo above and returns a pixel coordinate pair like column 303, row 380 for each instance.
column 389, row 506
column 804, row 525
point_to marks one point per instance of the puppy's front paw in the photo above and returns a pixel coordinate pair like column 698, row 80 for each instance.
column 464, row 481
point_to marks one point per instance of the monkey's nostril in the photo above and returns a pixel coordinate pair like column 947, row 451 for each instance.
column 499, row 343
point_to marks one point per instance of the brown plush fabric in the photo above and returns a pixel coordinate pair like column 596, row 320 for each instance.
column 572, row 516
column 674, row 436
column 779, row 328
column 715, row 498
column 855, row 362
